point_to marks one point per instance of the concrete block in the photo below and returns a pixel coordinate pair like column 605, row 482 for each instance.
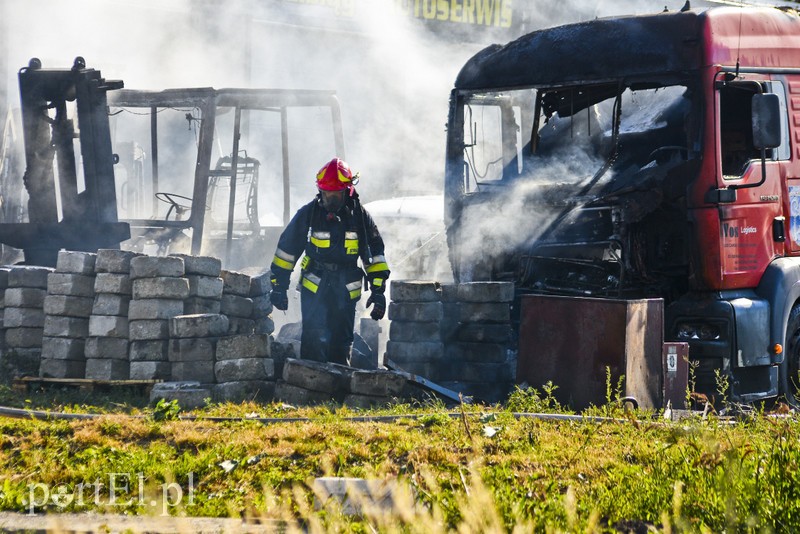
column 484, row 333
column 108, row 326
column 60, row 326
column 366, row 402
column 109, row 348
column 191, row 350
column 416, row 311
column 244, row 369
column 150, row 371
column 190, row 395
column 24, row 338
column 205, row 287
column 198, row 325
column 200, row 265
column 264, row 325
column 154, row 309
column 404, row 351
column 239, row 325
column 260, row 284
column 114, row 261
column 484, row 312
column 243, row 346
column 149, row 351
column 297, row 396
column 414, row 332
column 160, row 288
column 261, row 306
column 4, row 277
column 477, row 372
column 198, row 371
column 75, row 262
column 486, row 292
column 425, row 369
column 111, row 304
column 23, row 317
column 68, row 305
column 76, row 285
column 148, row 329
column 236, row 306
column 317, row 376
column 378, row 383
column 156, row 267
column 62, row 348
column 415, row 291
column 105, row 369
column 449, row 292
column 245, row 390
column 235, row 283
column 476, row 352
column 195, row 305
column 29, row 276
column 24, row 297
column 114, row 283
column 16, row 362
column 62, row 368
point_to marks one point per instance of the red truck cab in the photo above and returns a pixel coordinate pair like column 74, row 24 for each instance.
column 625, row 158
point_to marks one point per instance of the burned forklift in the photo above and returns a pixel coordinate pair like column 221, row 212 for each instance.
column 632, row 176
column 178, row 197
column 69, row 206
column 190, row 163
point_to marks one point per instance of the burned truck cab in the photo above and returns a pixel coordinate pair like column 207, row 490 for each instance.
column 634, row 158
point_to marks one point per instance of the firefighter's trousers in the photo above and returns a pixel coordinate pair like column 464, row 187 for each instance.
column 328, row 319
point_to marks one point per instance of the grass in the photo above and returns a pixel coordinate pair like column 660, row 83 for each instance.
column 483, row 470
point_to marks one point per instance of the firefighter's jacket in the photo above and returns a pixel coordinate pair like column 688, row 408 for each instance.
column 331, row 242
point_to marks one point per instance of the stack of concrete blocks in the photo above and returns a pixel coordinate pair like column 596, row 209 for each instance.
column 23, row 319
column 307, row 382
column 476, row 330
column 3, row 286
column 244, row 369
column 107, row 345
column 260, row 288
column 67, row 308
column 192, row 346
column 415, row 336
column 236, row 303
column 205, row 285
column 159, row 289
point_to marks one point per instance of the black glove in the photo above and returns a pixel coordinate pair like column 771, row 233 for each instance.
column 279, row 299
column 379, row 308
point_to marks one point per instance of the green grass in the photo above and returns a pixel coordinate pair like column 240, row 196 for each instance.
column 480, row 471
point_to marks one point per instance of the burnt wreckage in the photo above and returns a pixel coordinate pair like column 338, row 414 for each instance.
column 594, row 140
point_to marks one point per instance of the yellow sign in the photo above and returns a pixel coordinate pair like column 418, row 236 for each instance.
column 478, row 12
column 489, row 13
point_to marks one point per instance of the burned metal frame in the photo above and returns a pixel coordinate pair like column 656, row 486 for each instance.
column 208, row 101
column 89, row 217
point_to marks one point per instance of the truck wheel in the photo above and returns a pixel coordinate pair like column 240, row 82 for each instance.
column 791, row 365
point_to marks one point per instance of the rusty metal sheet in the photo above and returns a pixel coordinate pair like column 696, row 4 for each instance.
column 572, row 341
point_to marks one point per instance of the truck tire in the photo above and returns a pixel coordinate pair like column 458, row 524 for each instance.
column 791, row 365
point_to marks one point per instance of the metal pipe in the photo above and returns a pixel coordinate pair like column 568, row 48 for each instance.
column 232, row 200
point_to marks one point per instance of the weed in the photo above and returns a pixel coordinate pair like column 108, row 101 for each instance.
column 530, row 400
column 166, row 410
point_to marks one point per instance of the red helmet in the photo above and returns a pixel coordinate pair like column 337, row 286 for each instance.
column 336, row 176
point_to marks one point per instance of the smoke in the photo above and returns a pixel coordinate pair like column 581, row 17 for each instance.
column 392, row 73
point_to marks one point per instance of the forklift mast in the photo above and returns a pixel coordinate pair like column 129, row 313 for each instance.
column 88, row 208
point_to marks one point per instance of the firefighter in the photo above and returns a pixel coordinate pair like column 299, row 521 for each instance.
column 331, row 233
